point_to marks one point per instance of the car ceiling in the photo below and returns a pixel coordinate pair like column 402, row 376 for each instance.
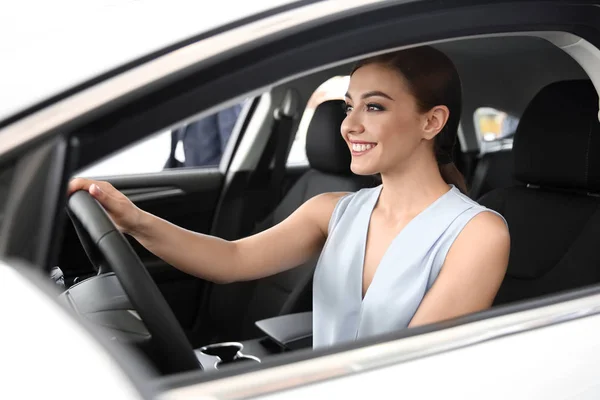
column 500, row 72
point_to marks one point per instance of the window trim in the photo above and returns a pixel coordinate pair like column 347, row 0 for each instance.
column 237, row 133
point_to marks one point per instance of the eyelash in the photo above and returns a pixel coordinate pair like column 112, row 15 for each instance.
column 370, row 107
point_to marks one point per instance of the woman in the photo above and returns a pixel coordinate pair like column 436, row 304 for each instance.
column 412, row 251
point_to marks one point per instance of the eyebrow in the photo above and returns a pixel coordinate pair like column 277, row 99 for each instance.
column 374, row 93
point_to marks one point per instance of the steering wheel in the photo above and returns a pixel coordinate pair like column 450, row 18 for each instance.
column 109, row 250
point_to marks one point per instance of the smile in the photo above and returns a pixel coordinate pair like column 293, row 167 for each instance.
column 361, row 148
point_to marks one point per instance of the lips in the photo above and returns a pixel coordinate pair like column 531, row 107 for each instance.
column 360, row 148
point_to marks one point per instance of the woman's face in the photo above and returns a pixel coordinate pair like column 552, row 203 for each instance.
column 383, row 126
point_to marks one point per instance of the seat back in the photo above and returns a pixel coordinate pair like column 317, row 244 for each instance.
column 553, row 213
column 235, row 307
column 493, row 171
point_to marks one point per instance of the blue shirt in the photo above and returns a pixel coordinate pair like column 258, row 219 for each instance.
column 407, row 270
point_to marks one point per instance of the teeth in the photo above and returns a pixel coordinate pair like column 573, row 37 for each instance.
column 361, row 147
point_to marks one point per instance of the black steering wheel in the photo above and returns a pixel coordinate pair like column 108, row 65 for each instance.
column 109, row 250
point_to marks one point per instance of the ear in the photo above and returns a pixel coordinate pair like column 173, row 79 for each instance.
column 435, row 120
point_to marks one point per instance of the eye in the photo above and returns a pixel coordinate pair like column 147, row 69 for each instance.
column 375, row 107
column 347, row 108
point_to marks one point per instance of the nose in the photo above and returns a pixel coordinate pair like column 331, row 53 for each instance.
column 352, row 124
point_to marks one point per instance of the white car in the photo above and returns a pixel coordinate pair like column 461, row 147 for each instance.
column 98, row 93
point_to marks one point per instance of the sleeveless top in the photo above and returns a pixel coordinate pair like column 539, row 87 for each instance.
column 407, row 270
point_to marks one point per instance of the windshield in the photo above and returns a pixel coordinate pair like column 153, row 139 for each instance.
column 66, row 42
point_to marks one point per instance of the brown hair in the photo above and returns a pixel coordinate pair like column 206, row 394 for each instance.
column 433, row 80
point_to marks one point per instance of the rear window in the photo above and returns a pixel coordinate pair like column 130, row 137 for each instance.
column 495, row 129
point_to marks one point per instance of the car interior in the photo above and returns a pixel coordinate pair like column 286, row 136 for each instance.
column 546, row 186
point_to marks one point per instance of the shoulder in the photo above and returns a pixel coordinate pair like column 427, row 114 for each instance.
column 488, row 229
column 483, row 241
column 326, row 201
column 326, row 208
column 320, row 208
column 488, row 223
column 484, row 222
column 330, row 200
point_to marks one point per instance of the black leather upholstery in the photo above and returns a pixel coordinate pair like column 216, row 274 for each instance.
column 236, row 307
column 553, row 216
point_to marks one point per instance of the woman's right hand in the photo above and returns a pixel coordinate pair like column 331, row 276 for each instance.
column 122, row 211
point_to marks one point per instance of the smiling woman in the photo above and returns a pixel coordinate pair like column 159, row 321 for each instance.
column 428, row 76
column 413, row 237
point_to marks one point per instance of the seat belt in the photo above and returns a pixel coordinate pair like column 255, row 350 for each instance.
column 283, row 133
column 479, row 175
column 275, row 155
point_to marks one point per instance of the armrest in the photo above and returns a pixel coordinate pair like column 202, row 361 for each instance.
column 292, row 331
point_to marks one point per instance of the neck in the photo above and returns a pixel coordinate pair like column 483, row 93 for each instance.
column 411, row 188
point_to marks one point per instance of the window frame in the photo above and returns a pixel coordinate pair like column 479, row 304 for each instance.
column 229, row 152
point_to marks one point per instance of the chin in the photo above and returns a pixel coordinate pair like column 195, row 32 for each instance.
column 362, row 170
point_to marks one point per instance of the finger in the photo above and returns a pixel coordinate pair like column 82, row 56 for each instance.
column 105, row 194
column 78, row 184
column 100, row 195
column 95, row 191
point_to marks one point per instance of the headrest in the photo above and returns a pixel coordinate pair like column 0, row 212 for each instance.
column 326, row 150
column 557, row 143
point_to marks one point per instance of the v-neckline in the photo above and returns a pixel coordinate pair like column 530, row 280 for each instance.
column 370, row 210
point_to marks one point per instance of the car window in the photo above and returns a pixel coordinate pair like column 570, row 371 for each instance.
column 198, row 144
column 332, row 89
column 495, row 129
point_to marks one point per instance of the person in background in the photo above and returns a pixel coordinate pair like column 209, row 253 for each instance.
column 204, row 140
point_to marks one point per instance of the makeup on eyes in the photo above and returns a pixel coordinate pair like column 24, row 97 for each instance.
column 373, row 107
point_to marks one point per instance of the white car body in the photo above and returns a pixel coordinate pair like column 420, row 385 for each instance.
column 36, row 369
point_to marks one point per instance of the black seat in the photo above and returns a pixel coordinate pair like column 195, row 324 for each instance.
column 554, row 213
column 494, row 170
column 235, row 307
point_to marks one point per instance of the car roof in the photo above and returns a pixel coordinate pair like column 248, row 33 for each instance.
column 68, row 42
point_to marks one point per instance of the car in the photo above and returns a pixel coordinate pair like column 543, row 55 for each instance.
column 88, row 312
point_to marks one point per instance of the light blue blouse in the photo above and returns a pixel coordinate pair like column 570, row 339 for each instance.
column 407, row 270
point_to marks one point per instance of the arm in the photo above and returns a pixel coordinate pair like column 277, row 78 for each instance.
column 284, row 246
column 472, row 273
